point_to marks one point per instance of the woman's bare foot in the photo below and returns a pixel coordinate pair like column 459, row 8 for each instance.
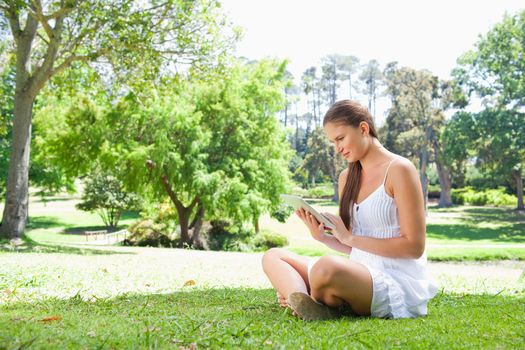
column 282, row 300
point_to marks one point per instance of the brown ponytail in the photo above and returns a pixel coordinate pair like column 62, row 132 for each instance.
column 347, row 112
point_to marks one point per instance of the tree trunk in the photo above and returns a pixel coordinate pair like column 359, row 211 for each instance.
column 445, row 196
column 315, row 108
column 196, row 227
column 319, row 107
column 445, row 179
column 256, row 224
column 17, row 195
column 184, row 220
column 333, row 175
column 516, row 174
column 423, row 162
column 335, row 198
column 286, row 114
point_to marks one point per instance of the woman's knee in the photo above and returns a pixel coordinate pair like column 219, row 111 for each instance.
column 323, row 272
column 271, row 255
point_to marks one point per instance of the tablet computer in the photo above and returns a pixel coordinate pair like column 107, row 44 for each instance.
column 297, row 202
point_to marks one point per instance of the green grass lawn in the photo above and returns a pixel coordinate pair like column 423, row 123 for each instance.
column 250, row 319
column 56, row 291
column 140, row 298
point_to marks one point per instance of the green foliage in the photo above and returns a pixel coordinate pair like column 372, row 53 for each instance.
column 495, row 197
column 156, row 227
column 223, row 236
column 104, row 194
column 147, row 233
column 282, row 213
column 495, row 68
column 324, row 190
column 412, row 116
column 494, row 137
column 213, row 140
column 495, row 71
column 266, row 239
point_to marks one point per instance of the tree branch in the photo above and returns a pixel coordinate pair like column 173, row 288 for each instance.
column 39, row 16
column 165, row 182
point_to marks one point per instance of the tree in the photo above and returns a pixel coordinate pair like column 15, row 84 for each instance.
column 347, row 66
column 495, row 71
column 413, row 123
column 290, row 92
column 496, row 139
column 309, row 84
column 134, row 36
column 211, row 145
column 105, row 195
column 371, row 77
column 329, row 79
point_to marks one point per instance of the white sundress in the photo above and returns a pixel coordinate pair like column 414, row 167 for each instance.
column 401, row 287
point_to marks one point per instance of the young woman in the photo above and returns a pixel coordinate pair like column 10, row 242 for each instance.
column 381, row 225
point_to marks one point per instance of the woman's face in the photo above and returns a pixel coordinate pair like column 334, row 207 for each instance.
column 350, row 141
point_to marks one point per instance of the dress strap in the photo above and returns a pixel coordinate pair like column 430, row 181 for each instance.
column 388, row 167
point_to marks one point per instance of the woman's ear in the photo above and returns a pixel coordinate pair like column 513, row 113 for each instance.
column 364, row 128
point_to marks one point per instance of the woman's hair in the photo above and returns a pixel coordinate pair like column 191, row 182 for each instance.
column 351, row 113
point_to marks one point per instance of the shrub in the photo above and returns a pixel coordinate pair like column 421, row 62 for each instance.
column 147, row 233
column 156, row 228
column 265, row 240
column 222, row 236
column 104, row 194
column 495, row 197
column 218, row 236
column 325, row 190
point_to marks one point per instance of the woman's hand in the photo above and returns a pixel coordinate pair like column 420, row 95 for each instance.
column 316, row 229
column 340, row 232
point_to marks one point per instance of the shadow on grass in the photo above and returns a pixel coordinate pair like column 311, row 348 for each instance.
column 49, row 199
column 469, row 232
column 81, row 230
column 250, row 318
column 504, row 225
column 36, row 222
column 30, row 246
column 503, row 215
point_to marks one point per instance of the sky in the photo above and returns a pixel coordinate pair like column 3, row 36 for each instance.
column 419, row 34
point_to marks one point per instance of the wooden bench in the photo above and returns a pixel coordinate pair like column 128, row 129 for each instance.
column 94, row 233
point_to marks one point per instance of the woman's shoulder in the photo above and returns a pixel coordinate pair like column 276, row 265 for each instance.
column 401, row 163
column 402, row 168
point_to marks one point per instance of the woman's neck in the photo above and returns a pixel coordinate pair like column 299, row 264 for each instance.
column 376, row 155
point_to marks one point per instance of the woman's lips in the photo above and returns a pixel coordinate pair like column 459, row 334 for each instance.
column 346, row 154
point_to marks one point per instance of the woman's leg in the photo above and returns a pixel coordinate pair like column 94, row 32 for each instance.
column 287, row 271
column 335, row 281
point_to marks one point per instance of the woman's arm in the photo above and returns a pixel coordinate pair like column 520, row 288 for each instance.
column 333, row 243
column 330, row 240
column 317, row 229
column 403, row 182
